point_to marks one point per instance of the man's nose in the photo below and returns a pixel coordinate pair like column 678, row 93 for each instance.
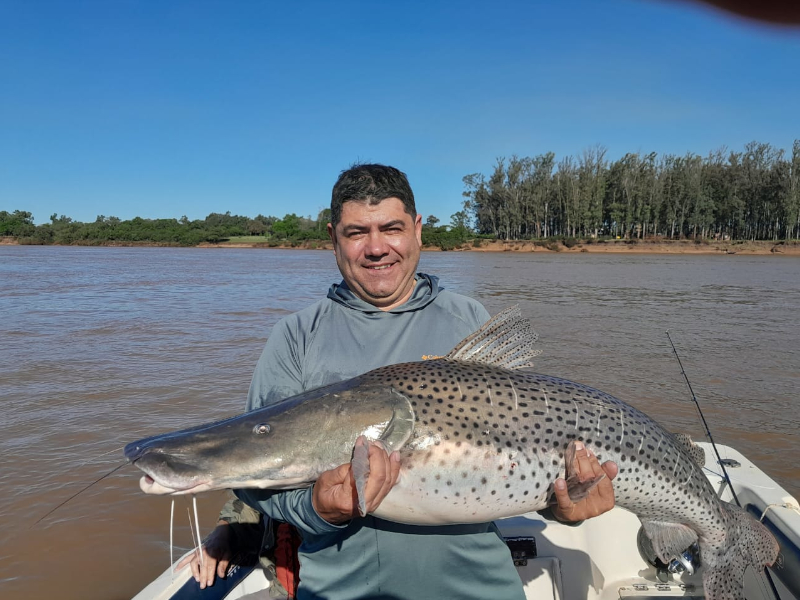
column 376, row 245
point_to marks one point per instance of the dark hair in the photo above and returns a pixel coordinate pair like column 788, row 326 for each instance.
column 371, row 184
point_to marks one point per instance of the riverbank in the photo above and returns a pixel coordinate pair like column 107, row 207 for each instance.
column 586, row 246
column 655, row 246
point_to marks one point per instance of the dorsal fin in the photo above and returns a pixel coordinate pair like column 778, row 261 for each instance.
column 506, row 340
column 696, row 452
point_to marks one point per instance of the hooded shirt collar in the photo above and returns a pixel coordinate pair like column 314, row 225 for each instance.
column 425, row 291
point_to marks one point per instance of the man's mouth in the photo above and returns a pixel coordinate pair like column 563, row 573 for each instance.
column 379, row 267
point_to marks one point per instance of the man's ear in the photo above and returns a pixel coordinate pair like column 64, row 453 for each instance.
column 332, row 235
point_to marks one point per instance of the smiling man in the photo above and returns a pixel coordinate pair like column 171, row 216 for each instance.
column 383, row 312
column 377, row 247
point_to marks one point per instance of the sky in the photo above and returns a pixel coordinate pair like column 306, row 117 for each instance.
column 164, row 109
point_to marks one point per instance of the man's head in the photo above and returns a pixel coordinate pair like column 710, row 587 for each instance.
column 376, row 234
column 370, row 184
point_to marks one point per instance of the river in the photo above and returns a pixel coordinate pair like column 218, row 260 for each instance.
column 102, row 346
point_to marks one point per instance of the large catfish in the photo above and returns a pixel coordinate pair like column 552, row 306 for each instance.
column 479, row 439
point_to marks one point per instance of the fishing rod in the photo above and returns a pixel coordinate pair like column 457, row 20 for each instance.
column 705, row 424
column 765, row 571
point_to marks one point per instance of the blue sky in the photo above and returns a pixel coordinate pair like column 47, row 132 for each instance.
column 164, row 109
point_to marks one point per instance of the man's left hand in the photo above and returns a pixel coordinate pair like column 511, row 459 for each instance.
column 600, row 498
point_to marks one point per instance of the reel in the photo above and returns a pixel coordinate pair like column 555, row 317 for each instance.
column 687, row 561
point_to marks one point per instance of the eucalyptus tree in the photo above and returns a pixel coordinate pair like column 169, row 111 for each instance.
column 565, row 182
column 793, row 195
column 592, row 185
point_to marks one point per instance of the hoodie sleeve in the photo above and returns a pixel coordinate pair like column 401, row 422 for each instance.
column 278, row 373
column 294, row 507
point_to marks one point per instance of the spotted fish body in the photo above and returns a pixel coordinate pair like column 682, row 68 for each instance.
column 479, row 439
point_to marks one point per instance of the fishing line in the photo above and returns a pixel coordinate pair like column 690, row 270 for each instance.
column 705, row 424
column 78, row 493
column 765, row 570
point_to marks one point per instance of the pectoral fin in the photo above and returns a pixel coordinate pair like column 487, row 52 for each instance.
column 360, row 468
column 577, row 489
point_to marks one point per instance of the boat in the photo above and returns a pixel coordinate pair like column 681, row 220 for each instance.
column 605, row 558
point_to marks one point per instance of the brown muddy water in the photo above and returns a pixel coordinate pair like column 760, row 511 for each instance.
column 102, row 346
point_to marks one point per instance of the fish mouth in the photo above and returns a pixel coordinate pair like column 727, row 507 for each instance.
column 165, row 474
column 150, row 486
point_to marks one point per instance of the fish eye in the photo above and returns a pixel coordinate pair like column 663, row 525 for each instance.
column 261, row 428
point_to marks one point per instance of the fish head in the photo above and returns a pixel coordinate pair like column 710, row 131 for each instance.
column 283, row 446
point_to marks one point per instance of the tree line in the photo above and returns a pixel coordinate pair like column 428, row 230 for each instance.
column 215, row 228
column 749, row 195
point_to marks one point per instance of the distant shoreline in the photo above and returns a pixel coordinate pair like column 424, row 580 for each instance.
column 790, row 248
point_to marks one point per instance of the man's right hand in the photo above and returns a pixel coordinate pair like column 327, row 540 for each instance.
column 217, row 551
column 334, row 496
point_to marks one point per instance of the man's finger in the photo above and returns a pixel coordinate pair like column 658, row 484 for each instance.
column 583, row 461
column 184, row 561
column 610, row 468
column 207, row 570
column 605, row 487
column 393, row 472
column 222, row 568
column 195, row 564
column 378, row 470
column 563, row 500
column 394, row 458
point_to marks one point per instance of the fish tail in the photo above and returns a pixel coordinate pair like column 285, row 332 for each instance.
column 752, row 545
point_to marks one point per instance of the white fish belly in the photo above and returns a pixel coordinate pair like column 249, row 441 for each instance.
column 460, row 483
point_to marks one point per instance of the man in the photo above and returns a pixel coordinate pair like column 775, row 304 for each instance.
column 383, row 312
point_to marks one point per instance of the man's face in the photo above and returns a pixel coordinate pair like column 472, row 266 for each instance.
column 377, row 249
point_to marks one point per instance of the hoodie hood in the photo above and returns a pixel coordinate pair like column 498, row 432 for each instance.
column 425, row 291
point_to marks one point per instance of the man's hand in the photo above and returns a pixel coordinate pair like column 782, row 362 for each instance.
column 600, row 498
column 334, row 496
column 217, row 551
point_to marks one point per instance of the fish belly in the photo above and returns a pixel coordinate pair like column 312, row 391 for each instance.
column 453, row 483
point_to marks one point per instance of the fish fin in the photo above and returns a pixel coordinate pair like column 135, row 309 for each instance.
column 578, row 490
column 669, row 539
column 394, row 436
column 725, row 582
column 696, row 452
column 506, row 340
column 360, row 468
column 401, row 425
column 723, row 568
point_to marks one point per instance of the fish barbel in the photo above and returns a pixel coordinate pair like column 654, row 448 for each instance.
column 479, row 439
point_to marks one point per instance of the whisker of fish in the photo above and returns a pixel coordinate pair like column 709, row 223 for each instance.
column 197, row 526
column 171, row 529
column 191, row 530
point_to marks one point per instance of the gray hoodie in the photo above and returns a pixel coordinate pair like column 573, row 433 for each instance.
column 338, row 338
